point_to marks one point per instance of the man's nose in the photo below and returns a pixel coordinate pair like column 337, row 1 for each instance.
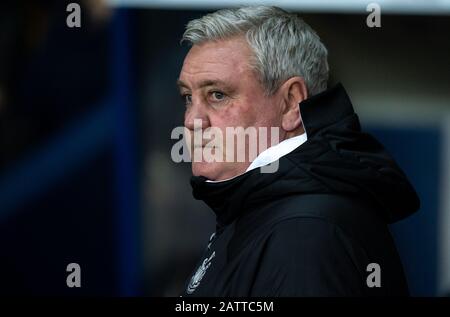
column 196, row 117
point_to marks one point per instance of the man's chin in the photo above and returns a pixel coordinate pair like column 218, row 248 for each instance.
column 209, row 170
column 218, row 171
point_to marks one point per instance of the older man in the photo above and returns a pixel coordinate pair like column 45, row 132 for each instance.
column 317, row 224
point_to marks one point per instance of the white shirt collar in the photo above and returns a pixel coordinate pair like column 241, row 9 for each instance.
column 273, row 153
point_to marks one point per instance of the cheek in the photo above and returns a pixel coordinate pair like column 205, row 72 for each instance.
column 268, row 114
column 251, row 110
column 240, row 115
column 230, row 117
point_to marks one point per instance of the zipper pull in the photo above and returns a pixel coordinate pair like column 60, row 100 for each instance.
column 211, row 240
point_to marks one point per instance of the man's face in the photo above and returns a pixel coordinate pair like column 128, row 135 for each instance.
column 219, row 88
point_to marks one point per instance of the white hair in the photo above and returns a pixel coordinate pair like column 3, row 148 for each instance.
column 284, row 46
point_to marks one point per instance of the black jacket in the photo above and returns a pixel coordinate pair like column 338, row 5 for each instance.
column 313, row 227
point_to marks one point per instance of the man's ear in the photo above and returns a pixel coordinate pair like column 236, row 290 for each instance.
column 293, row 92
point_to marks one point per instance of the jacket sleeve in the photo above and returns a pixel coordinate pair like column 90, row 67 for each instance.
column 309, row 257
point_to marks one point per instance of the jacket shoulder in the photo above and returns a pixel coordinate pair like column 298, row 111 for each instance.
column 322, row 245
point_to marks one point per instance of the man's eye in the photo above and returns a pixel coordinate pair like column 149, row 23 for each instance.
column 217, row 95
column 187, row 99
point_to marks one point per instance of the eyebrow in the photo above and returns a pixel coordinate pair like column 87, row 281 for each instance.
column 204, row 83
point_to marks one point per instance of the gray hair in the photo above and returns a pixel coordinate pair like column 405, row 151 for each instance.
column 284, row 46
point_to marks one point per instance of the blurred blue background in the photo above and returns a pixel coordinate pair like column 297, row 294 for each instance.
column 85, row 121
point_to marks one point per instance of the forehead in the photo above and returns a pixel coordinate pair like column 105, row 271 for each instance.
column 223, row 59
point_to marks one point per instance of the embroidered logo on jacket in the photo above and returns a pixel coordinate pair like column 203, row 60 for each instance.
column 197, row 277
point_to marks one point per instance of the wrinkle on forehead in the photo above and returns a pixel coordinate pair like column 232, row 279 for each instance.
column 225, row 58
